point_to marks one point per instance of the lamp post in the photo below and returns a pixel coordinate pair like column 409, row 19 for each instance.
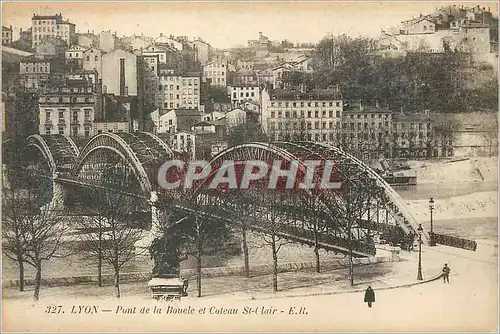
column 420, row 230
column 432, row 241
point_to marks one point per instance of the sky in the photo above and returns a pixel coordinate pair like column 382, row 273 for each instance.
column 227, row 24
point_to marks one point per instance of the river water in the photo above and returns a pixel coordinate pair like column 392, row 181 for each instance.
column 468, row 228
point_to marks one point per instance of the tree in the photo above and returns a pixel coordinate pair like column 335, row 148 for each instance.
column 114, row 213
column 33, row 231
column 92, row 232
column 202, row 236
column 13, row 229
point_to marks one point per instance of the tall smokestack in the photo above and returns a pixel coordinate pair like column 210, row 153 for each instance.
column 122, row 76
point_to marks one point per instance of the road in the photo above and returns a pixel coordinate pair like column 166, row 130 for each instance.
column 469, row 303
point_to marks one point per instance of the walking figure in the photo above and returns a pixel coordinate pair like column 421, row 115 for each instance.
column 446, row 273
column 369, row 296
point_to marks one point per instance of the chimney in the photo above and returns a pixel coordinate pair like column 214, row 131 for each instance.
column 161, row 34
column 122, row 76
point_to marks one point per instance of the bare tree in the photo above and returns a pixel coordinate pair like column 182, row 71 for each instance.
column 92, row 232
column 113, row 211
column 33, row 231
column 200, row 237
column 13, row 229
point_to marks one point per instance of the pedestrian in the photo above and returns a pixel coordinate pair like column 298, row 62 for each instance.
column 446, row 273
column 369, row 296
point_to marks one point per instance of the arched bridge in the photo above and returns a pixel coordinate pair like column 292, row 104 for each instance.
column 334, row 219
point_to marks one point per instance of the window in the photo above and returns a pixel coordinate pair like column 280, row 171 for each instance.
column 338, row 104
column 61, row 116
column 324, row 113
column 273, row 114
column 47, row 130
column 309, row 114
column 331, row 113
column 316, row 114
column 47, row 116
column 74, row 131
column 61, row 130
column 338, row 113
column 88, row 58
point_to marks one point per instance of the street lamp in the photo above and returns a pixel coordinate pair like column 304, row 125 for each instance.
column 432, row 241
column 419, row 230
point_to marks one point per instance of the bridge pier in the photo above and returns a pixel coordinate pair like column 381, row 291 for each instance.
column 57, row 201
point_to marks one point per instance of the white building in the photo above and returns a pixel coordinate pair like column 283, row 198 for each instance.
column 75, row 52
column 163, row 40
column 236, row 117
column 242, row 93
column 215, row 73
column 92, row 60
column 317, row 115
column 43, row 26
column 119, row 73
column 179, row 91
column 174, row 120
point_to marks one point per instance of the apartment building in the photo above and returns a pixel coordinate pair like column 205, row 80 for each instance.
column 241, row 93
column 43, row 26
column 68, row 110
column 35, row 71
column 6, row 35
column 366, row 131
column 215, row 73
column 179, row 91
column 313, row 116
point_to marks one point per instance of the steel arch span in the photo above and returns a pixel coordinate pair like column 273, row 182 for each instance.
column 327, row 218
column 59, row 152
column 122, row 160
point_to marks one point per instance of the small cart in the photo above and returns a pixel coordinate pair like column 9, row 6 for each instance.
column 168, row 289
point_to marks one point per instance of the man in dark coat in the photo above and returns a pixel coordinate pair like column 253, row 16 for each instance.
column 369, row 296
column 446, row 273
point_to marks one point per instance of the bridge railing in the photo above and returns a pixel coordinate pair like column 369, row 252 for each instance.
column 448, row 240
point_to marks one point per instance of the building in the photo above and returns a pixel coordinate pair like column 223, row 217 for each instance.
column 115, row 126
column 118, row 114
column 202, row 51
column 6, row 35
column 69, row 110
column 241, row 93
column 92, row 60
column 169, row 41
column 244, row 77
column 156, row 50
column 75, row 52
column 184, row 141
column 119, row 73
column 366, row 132
column 179, row 91
column 413, row 136
column 51, row 47
column 107, row 41
column 35, row 71
column 88, row 39
column 261, row 43
column 174, row 120
column 251, row 106
column 315, row 116
column 215, row 73
column 150, row 75
column 43, row 26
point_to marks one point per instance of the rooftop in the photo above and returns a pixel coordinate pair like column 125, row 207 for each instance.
column 323, row 94
column 4, row 28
